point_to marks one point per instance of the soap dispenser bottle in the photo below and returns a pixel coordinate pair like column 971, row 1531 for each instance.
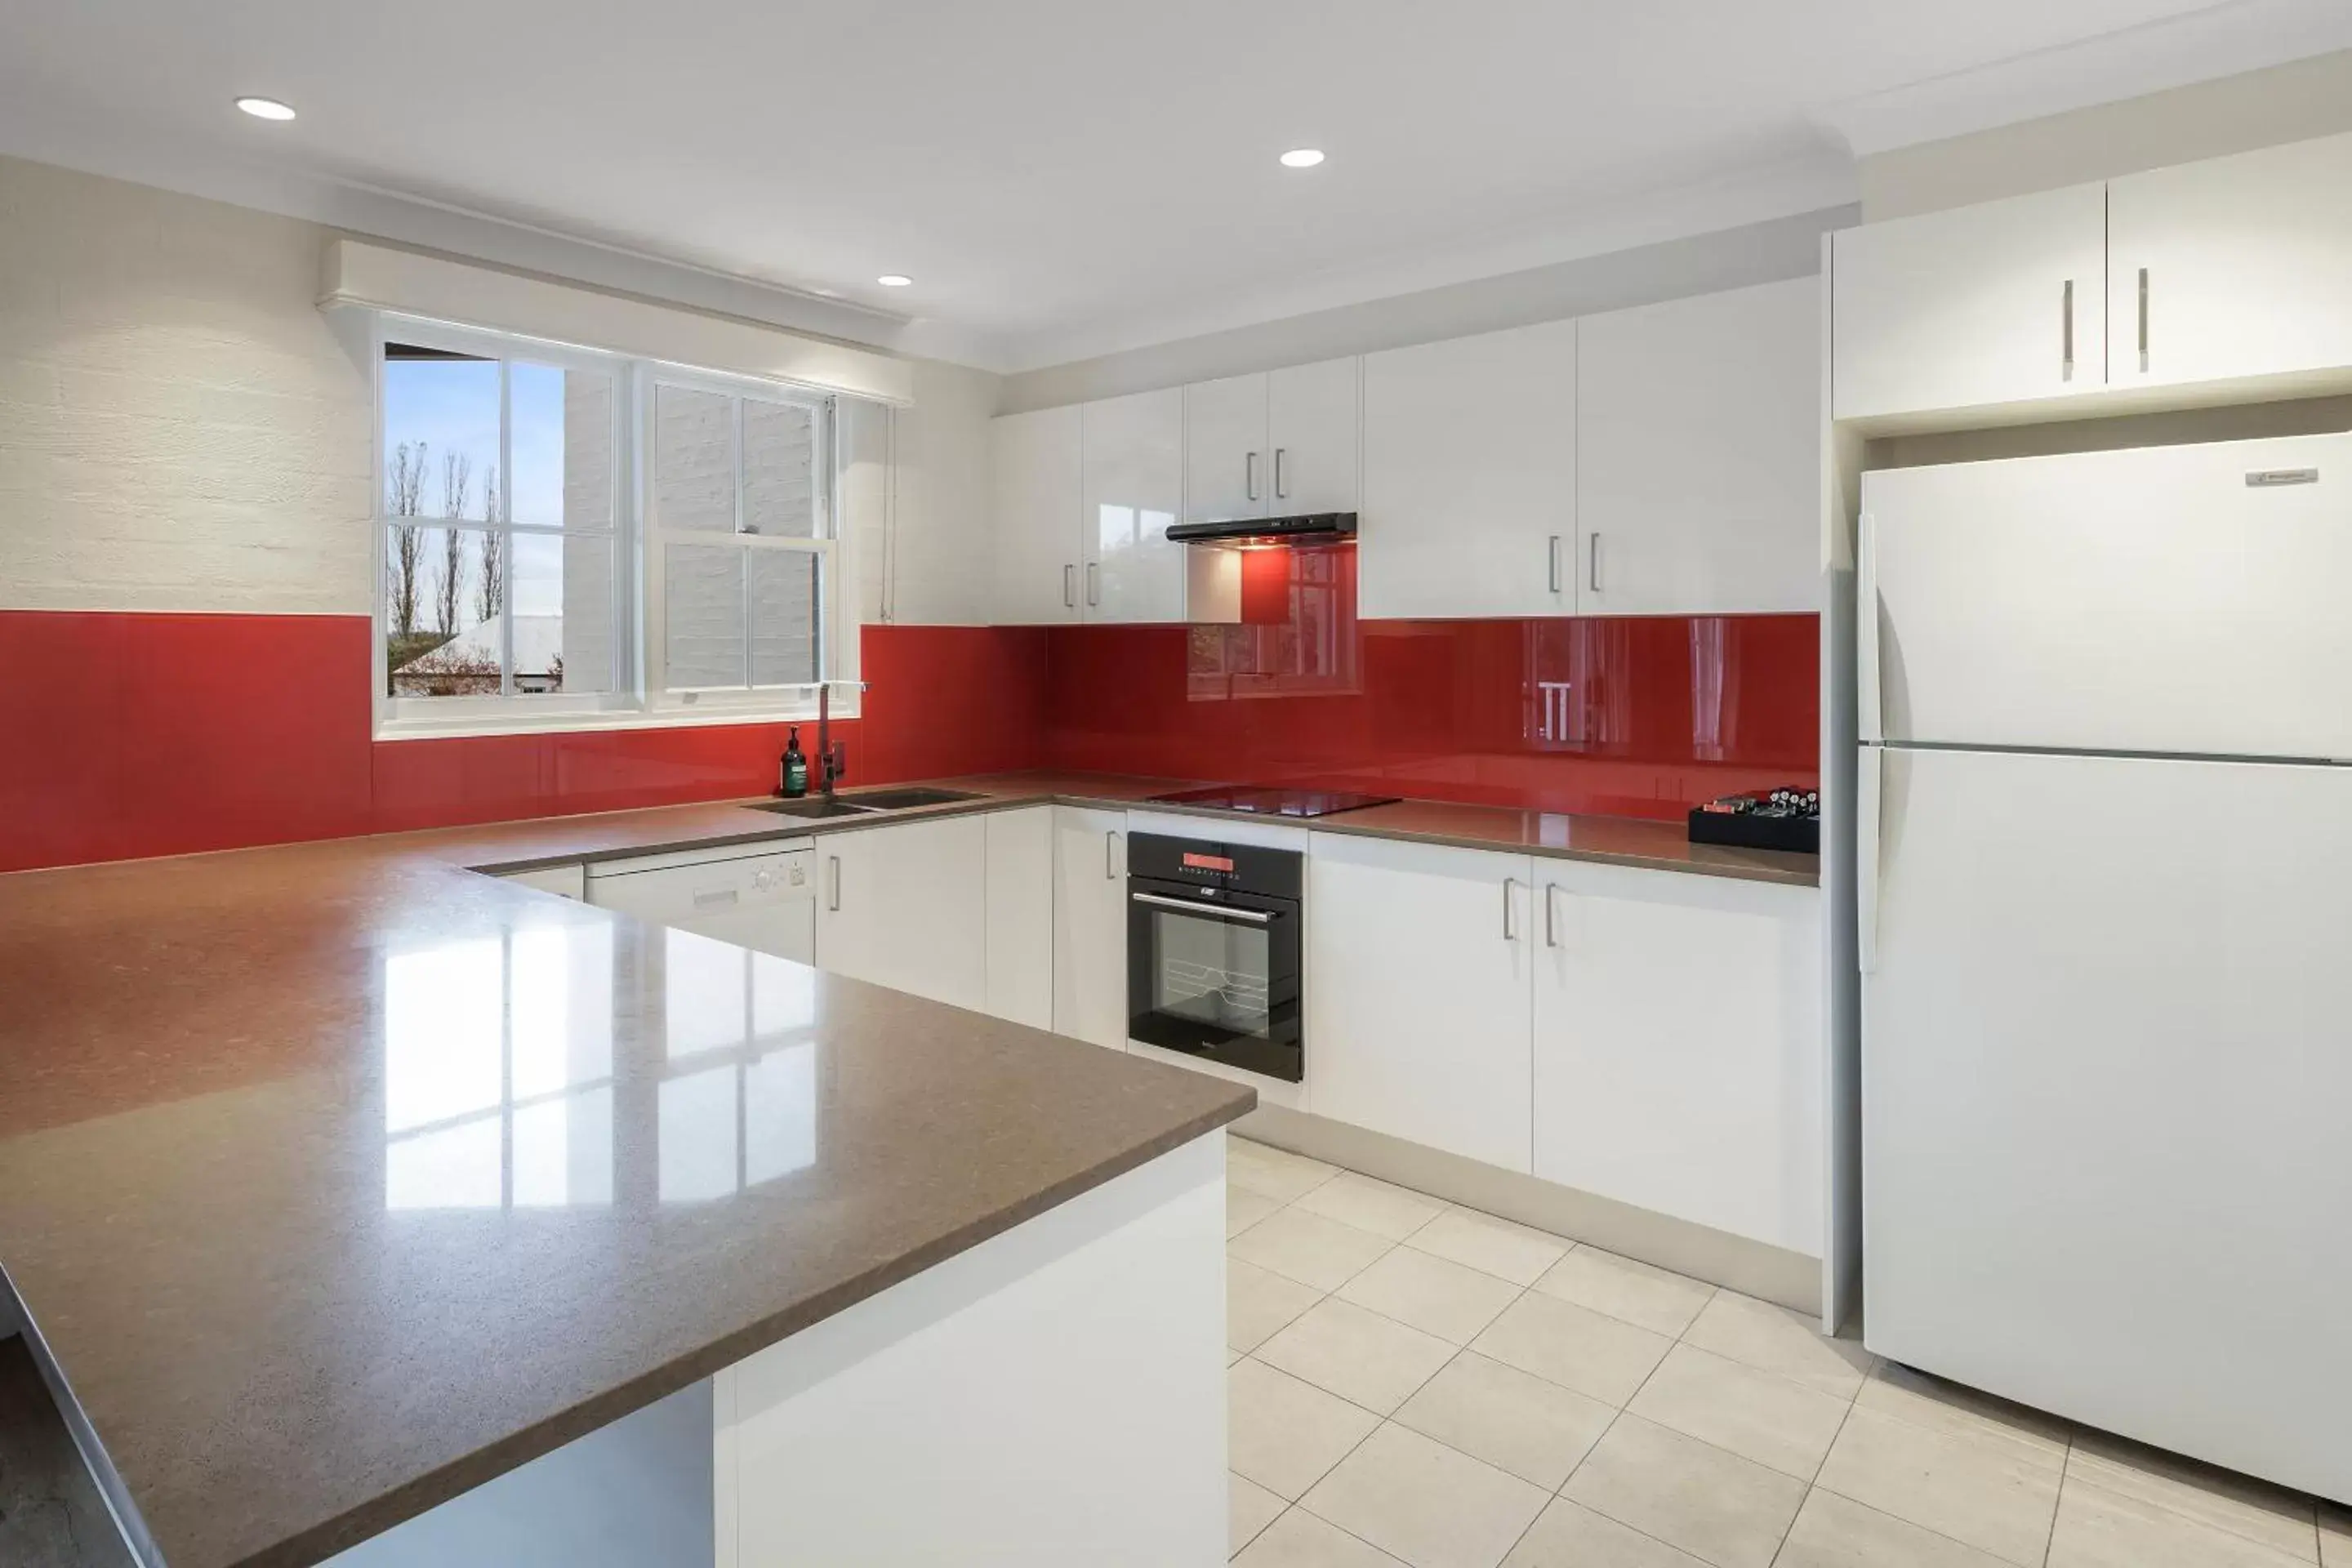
column 792, row 781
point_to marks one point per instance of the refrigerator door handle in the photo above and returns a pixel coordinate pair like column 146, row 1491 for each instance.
column 1870, row 721
column 1871, row 780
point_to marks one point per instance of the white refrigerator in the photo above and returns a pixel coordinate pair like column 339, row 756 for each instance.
column 2105, row 864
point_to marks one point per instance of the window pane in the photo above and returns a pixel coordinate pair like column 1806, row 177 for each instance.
column 442, row 611
column 703, row 603
column 694, row 459
column 440, row 432
column 562, row 443
column 562, row 611
column 784, row 617
column 779, row 472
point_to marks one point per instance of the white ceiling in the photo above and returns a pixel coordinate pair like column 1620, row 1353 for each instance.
column 1060, row 176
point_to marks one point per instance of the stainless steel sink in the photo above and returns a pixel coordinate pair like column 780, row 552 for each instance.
column 812, row 807
column 905, row 799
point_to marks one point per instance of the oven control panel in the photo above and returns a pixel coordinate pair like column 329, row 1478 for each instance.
column 1205, row 863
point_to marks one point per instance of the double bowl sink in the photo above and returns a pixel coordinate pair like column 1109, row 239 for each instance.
column 866, row 803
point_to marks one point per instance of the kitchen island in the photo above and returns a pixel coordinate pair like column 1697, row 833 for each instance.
column 354, row 1200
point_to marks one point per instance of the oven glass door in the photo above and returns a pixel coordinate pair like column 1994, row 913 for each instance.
column 1215, row 977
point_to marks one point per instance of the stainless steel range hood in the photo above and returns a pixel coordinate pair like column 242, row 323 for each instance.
column 1310, row 528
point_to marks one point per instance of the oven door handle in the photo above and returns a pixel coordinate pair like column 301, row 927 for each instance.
column 1215, row 911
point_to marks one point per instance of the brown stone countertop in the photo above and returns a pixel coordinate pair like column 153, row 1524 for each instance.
column 336, row 1179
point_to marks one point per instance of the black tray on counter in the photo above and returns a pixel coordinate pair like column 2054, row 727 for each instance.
column 1756, row 830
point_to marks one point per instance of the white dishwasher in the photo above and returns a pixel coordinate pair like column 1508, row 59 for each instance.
column 759, row 896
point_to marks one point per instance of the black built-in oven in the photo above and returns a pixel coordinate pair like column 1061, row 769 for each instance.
column 1212, row 940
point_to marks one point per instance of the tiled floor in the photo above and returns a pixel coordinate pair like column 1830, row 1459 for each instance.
column 1422, row 1384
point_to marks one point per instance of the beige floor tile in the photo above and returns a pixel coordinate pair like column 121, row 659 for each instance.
column 1773, row 1338
column 1499, row 1247
column 1245, row 1208
column 1712, row 1504
column 1258, row 1302
column 1368, row 1204
column 1647, row 1297
column 1755, row 1415
column 1567, row 1536
column 1249, row 1507
column 1424, row 1502
column 1924, row 1401
column 2283, row 1520
column 1357, row 1355
column 2335, row 1536
column 1977, row 1490
column 1284, row 1434
column 1299, row 1540
column 1434, row 1294
column 2102, row 1528
column 1573, row 1346
column 1308, row 1249
column 1832, row 1531
column 1513, row 1420
column 1276, row 1174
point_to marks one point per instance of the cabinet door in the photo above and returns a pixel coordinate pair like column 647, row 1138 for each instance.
column 1313, row 418
column 1134, row 451
column 1034, row 516
column 1698, row 454
column 1090, row 925
column 1469, row 472
column 1224, row 450
column 1678, row 1050
column 1419, row 964
column 1020, row 924
column 1977, row 306
column 2234, row 267
column 907, row 907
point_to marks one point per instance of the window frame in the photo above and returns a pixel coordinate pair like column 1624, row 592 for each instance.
column 637, row 697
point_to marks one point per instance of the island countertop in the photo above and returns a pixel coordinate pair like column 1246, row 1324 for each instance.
column 336, row 1179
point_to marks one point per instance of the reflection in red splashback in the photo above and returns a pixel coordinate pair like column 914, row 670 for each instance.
column 1626, row 716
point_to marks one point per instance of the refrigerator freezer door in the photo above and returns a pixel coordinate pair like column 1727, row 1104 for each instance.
column 2180, row 600
column 2106, row 1062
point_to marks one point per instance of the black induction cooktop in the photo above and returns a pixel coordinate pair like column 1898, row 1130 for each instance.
column 1276, row 800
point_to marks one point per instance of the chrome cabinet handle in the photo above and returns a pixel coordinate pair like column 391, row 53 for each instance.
column 1281, row 489
column 1094, row 582
column 2143, row 320
column 1510, row 908
column 833, row 879
column 1592, row 563
column 1069, row 587
column 1215, row 911
column 1868, row 826
column 1554, row 563
column 1249, row 473
column 2066, row 331
column 1110, row 857
column 1551, row 914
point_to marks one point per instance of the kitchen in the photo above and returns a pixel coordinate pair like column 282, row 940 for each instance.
column 471, row 1097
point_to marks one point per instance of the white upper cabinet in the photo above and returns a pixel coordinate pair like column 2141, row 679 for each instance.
column 1035, row 511
column 1469, row 477
column 1272, row 444
column 2233, row 267
column 1134, row 483
column 1698, row 454
column 2000, row 304
column 1313, row 416
column 1225, row 449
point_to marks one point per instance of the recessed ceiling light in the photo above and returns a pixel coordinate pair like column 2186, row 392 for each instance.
column 1302, row 158
column 895, row 280
column 265, row 109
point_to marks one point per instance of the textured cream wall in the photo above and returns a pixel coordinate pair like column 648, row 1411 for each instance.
column 179, row 427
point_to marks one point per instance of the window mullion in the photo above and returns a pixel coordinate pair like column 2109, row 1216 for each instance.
column 505, row 542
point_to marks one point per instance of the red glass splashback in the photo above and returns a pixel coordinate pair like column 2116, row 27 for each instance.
column 1632, row 716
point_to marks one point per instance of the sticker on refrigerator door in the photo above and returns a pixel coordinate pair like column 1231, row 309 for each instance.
column 2273, row 478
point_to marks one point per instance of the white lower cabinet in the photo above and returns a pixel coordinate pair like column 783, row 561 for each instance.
column 1089, row 895
column 1021, row 915
column 907, row 906
column 1419, row 993
column 1678, row 1049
